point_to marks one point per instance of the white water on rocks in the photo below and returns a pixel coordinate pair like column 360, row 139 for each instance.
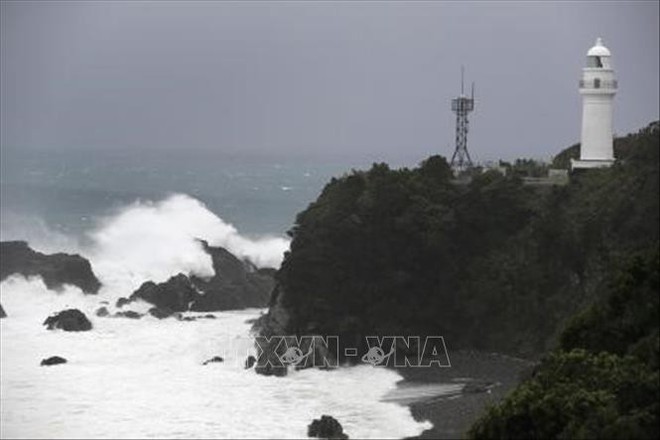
column 144, row 378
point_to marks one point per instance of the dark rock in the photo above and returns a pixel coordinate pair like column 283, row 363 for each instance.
column 326, row 427
column 213, row 359
column 128, row 314
column 53, row 360
column 102, row 311
column 236, row 284
column 70, row 320
column 16, row 257
column 270, row 370
column 2, row 312
column 209, row 316
column 121, row 302
column 249, row 362
column 175, row 294
column 160, row 312
column 187, row 318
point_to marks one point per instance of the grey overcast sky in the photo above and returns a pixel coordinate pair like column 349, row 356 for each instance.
column 315, row 78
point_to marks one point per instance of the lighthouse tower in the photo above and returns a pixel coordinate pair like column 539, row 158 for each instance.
column 597, row 87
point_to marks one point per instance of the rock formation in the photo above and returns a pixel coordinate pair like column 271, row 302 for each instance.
column 53, row 360
column 70, row 320
column 214, row 359
column 236, row 285
column 16, row 257
column 326, row 427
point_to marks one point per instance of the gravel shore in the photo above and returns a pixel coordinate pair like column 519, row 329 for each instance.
column 484, row 378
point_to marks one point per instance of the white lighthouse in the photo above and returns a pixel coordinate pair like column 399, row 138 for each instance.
column 597, row 87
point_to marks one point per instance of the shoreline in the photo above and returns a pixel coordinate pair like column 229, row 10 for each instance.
column 485, row 378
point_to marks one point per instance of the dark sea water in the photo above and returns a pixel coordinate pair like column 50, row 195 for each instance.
column 69, row 189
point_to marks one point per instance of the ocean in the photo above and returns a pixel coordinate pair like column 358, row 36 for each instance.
column 135, row 216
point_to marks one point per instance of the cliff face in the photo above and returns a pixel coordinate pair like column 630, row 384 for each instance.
column 16, row 257
column 489, row 265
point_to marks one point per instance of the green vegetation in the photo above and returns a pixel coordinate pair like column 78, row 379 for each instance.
column 492, row 264
column 603, row 380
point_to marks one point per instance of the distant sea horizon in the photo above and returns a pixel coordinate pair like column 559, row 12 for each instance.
column 65, row 190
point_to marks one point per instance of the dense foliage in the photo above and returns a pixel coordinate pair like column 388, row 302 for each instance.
column 493, row 263
column 603, row 380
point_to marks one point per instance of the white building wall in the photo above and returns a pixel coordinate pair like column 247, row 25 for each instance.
column 597, row 127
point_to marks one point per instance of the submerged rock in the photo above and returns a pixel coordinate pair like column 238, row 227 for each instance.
column 16, row 257
column 214, row 359
column 103, row 311
column 326, row 427
column 70, row 320
column 160, row 312
column 128, row 314
column 53, row 360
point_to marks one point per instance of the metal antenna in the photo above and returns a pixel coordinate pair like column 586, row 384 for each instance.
column 462, row 105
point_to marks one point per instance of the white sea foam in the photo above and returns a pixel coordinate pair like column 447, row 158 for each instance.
column 151, row 241
column 144, row 378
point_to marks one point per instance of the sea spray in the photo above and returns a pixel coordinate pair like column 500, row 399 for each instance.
column 151, row 241
column 144, row 377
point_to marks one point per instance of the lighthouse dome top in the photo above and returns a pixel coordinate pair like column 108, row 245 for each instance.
column 598, row 50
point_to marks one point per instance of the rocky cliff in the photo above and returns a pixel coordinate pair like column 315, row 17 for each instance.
column 16, row 257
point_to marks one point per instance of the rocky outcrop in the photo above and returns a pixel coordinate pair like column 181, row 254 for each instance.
column 121, row 302
column 16, row 257
column 160, row 312
column 53, row 360
column 176, row 294
column 236, row 284
column 2, row 312
column 70, row 320
column 326, row 427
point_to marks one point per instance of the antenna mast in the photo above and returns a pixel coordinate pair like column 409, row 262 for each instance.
column 461, row 161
